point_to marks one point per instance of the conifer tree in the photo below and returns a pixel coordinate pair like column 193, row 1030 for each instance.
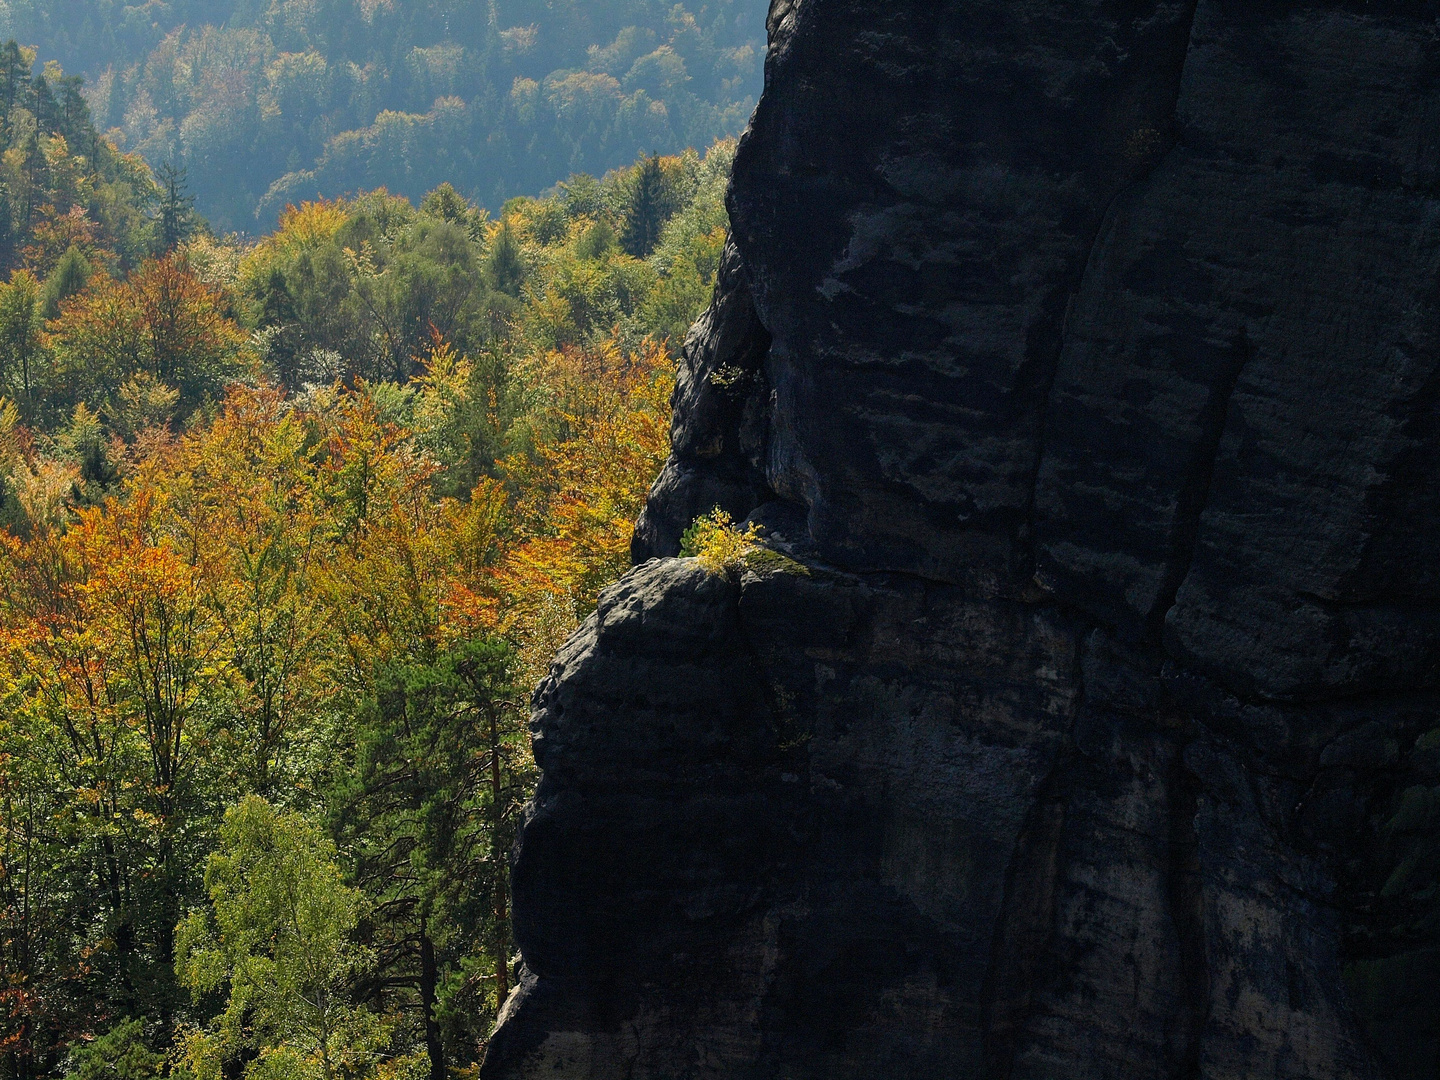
column 648, row 211
column 20, row 333
column 68, row 278
column 7, row 227
column 440, row 779
column 504, row 266
column 277, row 317
column 176, row 205
column 12, row 70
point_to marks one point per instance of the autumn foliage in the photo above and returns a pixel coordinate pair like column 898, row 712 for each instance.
column 161, row 322
column 289, row 533
column 210, row 626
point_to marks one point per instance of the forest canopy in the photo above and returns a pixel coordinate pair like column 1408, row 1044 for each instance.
column 268, row 104
column 289, row 531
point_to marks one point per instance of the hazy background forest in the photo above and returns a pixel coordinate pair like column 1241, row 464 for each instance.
column 292, row 520
column 273, row 102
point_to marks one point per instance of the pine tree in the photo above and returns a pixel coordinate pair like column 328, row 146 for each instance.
column 71, row 274
column 434, row 803
column 74, row 112
column 12, row 69
column 7, row 225
column 650, row 207
column 175, row 206
column 504, row 266
column 36, row 171
column 68, row 278
column 282, row 332
column 42, row 103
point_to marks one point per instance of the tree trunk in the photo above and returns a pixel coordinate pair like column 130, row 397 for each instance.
column 497, row 855
column 428, row 977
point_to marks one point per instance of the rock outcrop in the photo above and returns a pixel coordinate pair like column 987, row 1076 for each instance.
column 1080, row 364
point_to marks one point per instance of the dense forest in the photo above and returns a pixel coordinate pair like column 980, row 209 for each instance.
column 289, row 530
column 267, row 104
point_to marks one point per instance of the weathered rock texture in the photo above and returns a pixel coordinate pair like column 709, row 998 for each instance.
column 1081, row 361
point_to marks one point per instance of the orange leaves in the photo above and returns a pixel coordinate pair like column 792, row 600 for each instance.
column 183, row 321
column 53, row 233
column 98, row 339
column 161, row 320
column 124, row 555
column 109, row 613
column 257, row 568
column 597, row 448
column 318, row 537
column 474, row 535
column 143, row 599
column 250, row 571
column 214, row 628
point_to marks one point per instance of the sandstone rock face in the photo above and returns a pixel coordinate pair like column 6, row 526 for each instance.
column 1080, row 363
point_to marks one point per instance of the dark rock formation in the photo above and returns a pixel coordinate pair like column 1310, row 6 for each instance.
column 1081, row 364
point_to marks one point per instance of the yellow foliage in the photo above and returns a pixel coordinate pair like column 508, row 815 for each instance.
column 205, row 591
column 311, row 222
column 598, row 444
column 268, row 561
column 11, row 455
column 304, row 227
column 308, row 532
column 718, row 543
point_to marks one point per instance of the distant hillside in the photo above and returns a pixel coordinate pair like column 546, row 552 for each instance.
column 70, row 203
column 268, row 103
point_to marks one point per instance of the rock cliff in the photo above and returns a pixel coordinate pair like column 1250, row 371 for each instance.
column 1080, row 363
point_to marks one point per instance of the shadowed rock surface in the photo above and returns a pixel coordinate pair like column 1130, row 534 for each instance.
column 1079, row 362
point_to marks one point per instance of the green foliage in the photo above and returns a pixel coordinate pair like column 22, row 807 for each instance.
column 687, row 256
column 61, row 183
column 582, row 284
column 596, row 242
column 373, row 281
column 68, row 278
column 161, row 321
column 231, row 580
column 366, row 288
column 503, row 266
column 652, row 202
column 82, row 444
column 141, row 403
column 276, row 943
column 429, row 811
column 176, row 206
column 119, row 1054
column 20, row 312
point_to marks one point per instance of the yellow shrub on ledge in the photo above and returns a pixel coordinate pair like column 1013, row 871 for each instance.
column 718, row 543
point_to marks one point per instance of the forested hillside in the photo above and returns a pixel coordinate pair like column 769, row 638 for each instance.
column 289, row 530
column 266, row 104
